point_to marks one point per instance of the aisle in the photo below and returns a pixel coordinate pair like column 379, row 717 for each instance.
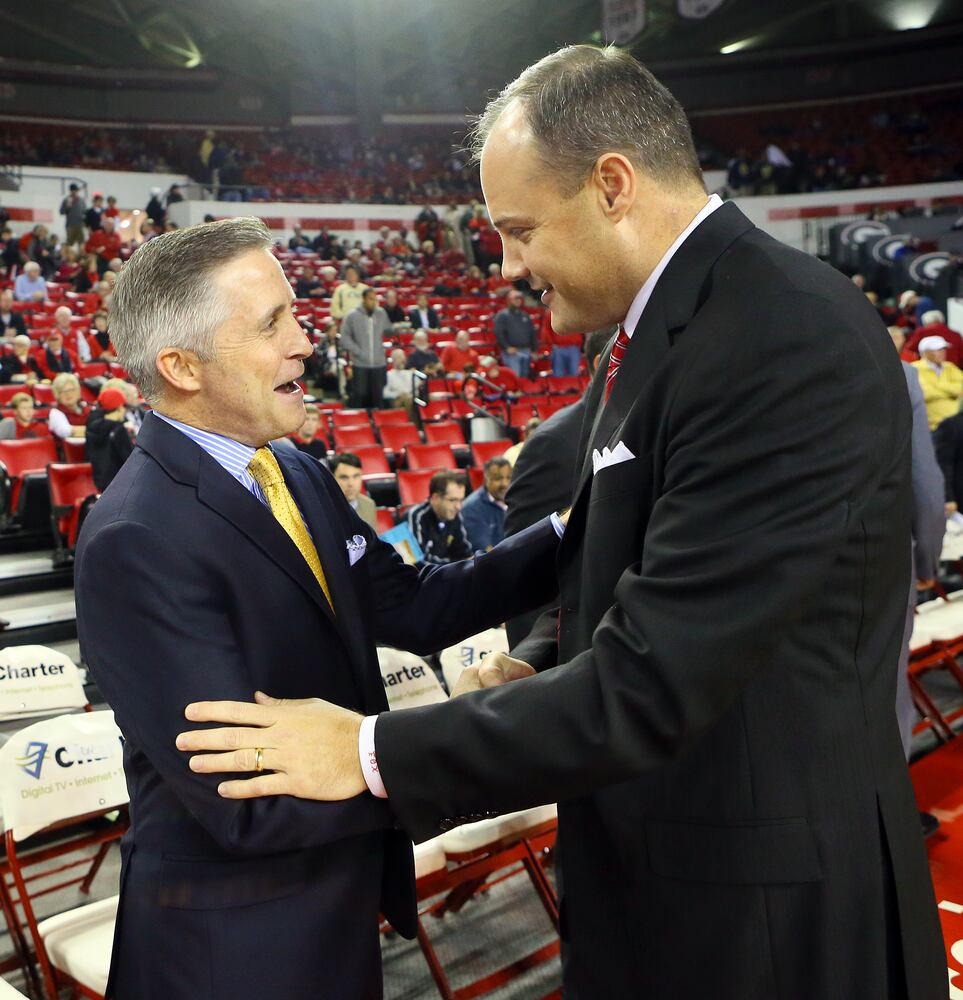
column 938, row 780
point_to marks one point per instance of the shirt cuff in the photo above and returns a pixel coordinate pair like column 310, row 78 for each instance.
column 557, row 525
column 369, row 759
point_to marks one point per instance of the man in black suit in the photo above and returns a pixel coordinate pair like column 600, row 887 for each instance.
column 214, row 564
column 11, row 323
column 544, row 473
column 713, row 708
column 423, row 316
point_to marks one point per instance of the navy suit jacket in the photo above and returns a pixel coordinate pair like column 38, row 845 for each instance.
column 188, row 589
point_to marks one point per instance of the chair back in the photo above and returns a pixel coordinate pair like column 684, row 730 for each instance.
column 70, row 481
column 36, row 680
column 482, row 451
column 430, row 456
column 60, row 769
column 28, row 455
column 447, row 432
column 397, row 437
column 348, row 438
column 471, row 652
column 409, row 681
column 413, row 486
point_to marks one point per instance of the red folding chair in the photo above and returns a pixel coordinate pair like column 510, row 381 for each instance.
column 350, row 418
column 7, row 392
column 476, row 477
column 382, row 418
column 385, row 519
column 75, row 449
column 435, row 409
column 20, row 460
column 350, row 438
column 430, row 456
column 482, row 451
column 446, row 432
column 72, row 492
column 397, row 437
column 413, row 486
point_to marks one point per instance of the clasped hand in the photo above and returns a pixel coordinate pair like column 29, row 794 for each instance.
column 309, row 747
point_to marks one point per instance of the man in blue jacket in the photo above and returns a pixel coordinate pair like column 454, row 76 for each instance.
column 484, row 511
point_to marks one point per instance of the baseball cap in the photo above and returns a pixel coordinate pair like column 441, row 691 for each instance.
column 111, row 399
column 933, row 344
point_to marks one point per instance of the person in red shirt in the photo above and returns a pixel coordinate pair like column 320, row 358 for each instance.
column 459, row 357
column 22, row 425
column 53, row 358
column 499, row 375
column 934, row 325
column 111, row 211
column 566, row 347
column 68, row 417
column 104, row 242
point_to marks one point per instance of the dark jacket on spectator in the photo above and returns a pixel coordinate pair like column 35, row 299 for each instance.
column 109, row 445
column 11, row 365
column 440, row 541
column 514, row 328
column 414, row 317
column 15, row 320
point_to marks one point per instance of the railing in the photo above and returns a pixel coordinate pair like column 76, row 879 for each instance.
column 63, row 180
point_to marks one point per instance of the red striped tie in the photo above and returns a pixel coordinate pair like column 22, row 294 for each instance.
column 615, row 360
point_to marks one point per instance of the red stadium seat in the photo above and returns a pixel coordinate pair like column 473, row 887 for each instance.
column 522, row 413
column 397, row 437
column 374, row 463
column 435, row 409
column 413, row 486
column 75, row 449
column 561, row 384
column 385, row 519
column 71, row 489
column 7, row 392
column 430, row 456
column 384, row 417
column 445, row 432
column 476, row 477
column 19, row 460
column 349, row 438
column 43, row 395
column 482, row 451
column 350, row 418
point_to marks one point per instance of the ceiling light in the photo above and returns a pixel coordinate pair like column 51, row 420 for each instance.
column 743, row 43
column 909, row 15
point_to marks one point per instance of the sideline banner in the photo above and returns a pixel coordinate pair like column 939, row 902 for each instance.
column 60, row 768
column 409, row 681
column 471, row 652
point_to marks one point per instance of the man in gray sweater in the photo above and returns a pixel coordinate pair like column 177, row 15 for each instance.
column 363, row 334
column 73, row 208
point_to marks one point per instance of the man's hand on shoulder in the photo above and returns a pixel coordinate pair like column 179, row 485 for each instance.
column 496, row 669
column 307, row 748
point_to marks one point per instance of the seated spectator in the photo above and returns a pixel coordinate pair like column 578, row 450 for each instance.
column 53, row 358
column 566, row 348
column 299, row 242
column 11, row 323
column 99, row 338
column 10, row 254
column 504, row 378
column 308, row 285
column 20, row 366
column 42, row 247
column 346, row 469
column 62, row 324
column 496, row 283
column 390, row 305
column 87, row 277
column 68, row 418
column 400, row 383
column 94, row 216
column 111, row 211
column 423, row 358
column 484, row 511
column 110, row 438
column 511, row 454
column 348, row 295
column 105, row 243
column 898, row 336
column 460, row 358
column 30, row 286
column 940, row 380
column 307, row 439
column 907, row 309
column 516, row 335
column 326, row 366
column 436, row 523
column 423, row 316
column 934, row 325
column 69, row 266
column 22, row 425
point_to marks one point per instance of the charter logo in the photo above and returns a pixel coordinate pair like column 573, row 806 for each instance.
column 33, row 758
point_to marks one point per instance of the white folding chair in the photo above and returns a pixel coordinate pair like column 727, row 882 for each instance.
column 471, row 652
column 409, row 681
column 61, row 784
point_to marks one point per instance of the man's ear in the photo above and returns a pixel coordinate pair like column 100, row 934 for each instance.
column 616, row 182
column 180, row 369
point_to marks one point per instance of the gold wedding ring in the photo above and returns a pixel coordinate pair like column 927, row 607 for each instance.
column 258, row 762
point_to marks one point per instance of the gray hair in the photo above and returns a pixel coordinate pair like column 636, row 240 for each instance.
column 583, row 101
column 164, row 297
column 932, row 316
column 61, row 382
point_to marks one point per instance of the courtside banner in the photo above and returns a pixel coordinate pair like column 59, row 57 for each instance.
column 471, row 652
column 61, row 768
column 35, row 680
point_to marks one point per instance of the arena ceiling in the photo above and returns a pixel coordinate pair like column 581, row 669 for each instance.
column 419, row 49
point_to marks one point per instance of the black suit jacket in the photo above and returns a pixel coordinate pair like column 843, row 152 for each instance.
column 734, row 806
column 948, row 442
column 414, row 317
column 16, row 321
column 542, row 482
column 188, row 588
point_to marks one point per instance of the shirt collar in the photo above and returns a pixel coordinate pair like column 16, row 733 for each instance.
column 639, row 303
column 233, row 456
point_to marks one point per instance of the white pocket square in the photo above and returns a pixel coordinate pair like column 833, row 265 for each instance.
column 357, row 546
column 606, row 457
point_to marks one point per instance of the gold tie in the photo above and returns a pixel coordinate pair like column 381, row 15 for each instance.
column 267, row 473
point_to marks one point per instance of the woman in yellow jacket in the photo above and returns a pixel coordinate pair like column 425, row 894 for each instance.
column 940, row 380
column 348, row 295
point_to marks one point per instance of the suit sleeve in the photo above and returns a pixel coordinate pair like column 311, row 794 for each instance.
column 763, row 480
column 172, row 645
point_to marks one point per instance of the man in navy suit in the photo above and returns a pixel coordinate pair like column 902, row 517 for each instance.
column 214, row 566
